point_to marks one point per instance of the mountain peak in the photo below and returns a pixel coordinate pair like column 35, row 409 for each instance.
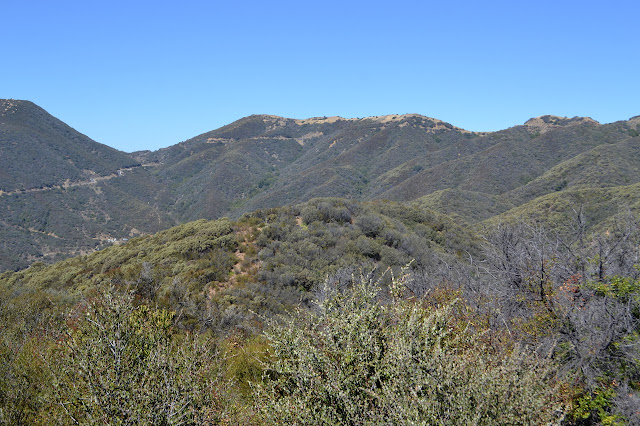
column 544, row 123
column 39, row 151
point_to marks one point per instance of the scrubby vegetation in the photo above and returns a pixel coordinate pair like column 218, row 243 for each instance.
column 330, row 312
column 507, row 291
column 362, row 358
column 56, row 201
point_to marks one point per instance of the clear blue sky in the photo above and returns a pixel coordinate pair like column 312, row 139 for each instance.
column 148, row 74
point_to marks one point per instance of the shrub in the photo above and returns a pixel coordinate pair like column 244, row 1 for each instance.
column 121, row 364
column 357, row 360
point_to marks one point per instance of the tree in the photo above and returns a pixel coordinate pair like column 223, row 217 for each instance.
column 579, row 294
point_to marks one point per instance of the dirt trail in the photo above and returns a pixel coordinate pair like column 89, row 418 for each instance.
column 68, row 184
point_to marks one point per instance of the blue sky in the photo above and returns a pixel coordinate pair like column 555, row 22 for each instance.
column 146, row 75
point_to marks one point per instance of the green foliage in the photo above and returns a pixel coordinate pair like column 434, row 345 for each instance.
column 598, row 402
column 359, row 354
column 618, row 287
column 119, row 364
column 25, row 392
column 603, row 207
column 302, row 245
column 357, row 360
column 197, row 255
column 245, row 358
column 463, row 205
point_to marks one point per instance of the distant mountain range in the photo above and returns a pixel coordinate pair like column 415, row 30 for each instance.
column 62, row 193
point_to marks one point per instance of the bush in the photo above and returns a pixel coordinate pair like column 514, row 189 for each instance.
column 357, row 360
column 120, row 364
column 370, row 225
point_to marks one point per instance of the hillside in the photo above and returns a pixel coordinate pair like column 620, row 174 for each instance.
column 601, row 207
column 65, row 194
column 269, row 260
column 225, row 314
column 266, row 161
column 38, row 150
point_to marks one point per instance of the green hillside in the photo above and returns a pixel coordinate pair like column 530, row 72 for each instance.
column 516, row 157
column 38, row 150
column 466, row 206
column 600, row 207
column 603, row 166
column 288, row 249
column 53, row 224
column 266, row 161
column 75, row 195
column 332, row 308
column 62, row 194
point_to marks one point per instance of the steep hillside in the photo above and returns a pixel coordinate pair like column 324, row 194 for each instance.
column 607, row 164
column 599, row 207
column 603, row 166
column 515, row 157
column 63, row 194
column 465, row 206
column 210, row 172
column 38, row 150
column 266, row 161
column 54, row 224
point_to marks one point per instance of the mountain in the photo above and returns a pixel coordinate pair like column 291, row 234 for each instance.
column 39, row 151
column 62, row 193
column 415, row 240
column 266, row 161
column 558, row 163
column 65, row 194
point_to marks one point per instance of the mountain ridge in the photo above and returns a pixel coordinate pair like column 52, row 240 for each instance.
column 265, row 161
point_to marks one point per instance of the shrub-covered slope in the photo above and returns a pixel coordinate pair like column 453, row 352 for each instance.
column 58, row 222
column 274, row 256
column 62, row 194
column 599, row 207
column 266, row 161
column 38, row 150
column 550, row 317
